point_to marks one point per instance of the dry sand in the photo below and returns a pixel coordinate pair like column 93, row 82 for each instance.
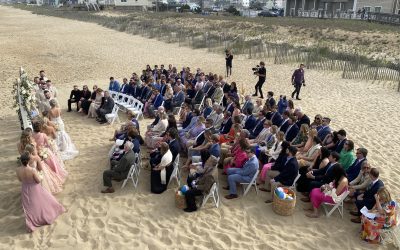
column 80, row 53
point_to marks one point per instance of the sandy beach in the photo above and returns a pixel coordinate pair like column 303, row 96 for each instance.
column 73, row 52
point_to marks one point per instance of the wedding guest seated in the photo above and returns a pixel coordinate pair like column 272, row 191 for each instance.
column 39, row 205
column 264, row 146
column 230, row 137
column 285, row 175
column 161, row 170
column 119, row 169
column 154, row 141
column 194, row 152
column 285, row 121
column 121, row 132
column 132, row 136
column 320, row 162
column 258, row 107
column 239, row 156
column 259, row 125
column 263, row 135
column 319, row 177
column 158, row 129
column 218, row 93
column 227, row 151
column 272, row 154
column 195, row 116
column 367, row 198
column 85, row 96
column 241, row 175
column 301, row 138
column 185, row 116
column 172, row 139
column 199, row 139
column 363, row 180
column 157, row 102
column 188, row 139
column 341, row 134
column 292, row 129
column 324, row 129
column 226, row 124
column 310, row 141
column 276, row 117
column 354, row 169
column 201, row 185
column 74, row 97
column 274, row 164
column 330, row 141
column 302, row 118
column 250, row 120
column 160, row 111
column 282, row 104
column 347, row 156
column 207, row 108
column 317, row 121
column 177, row 99
column 217, row 116
column 329, row 193
column 307, row 159
column 106, row 107
column 85, row 104
column 385, row 211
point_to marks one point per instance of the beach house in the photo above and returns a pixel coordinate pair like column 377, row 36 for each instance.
column 335, row 7
column 134, row 4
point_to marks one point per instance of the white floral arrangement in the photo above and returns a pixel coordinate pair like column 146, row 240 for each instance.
column 44, row 153
column 24, row 88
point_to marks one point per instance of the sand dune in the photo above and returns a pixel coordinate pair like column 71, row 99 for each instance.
column 80, row 53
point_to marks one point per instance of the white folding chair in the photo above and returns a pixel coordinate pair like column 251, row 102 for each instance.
column 113, row 115
column 212, row 193
column 113, row 94
column 132, row 175
column 128, row 103
column 253, row 182
column 179, row 110
column 138, row 162
column 175, row 172
column 201, row 103
column 293, row 187
column 138, row 111
column 338, row 205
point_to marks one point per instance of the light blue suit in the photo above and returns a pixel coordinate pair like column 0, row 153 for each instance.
column 244, row 174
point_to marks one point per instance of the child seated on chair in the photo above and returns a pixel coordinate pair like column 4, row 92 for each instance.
column 329, row 193
column 200, row 182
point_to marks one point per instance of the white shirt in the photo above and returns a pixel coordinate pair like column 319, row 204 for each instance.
column 166, row 159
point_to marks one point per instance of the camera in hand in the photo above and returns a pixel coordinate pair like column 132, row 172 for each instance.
column 255, row 69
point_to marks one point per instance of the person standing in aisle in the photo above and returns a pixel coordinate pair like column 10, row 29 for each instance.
column 298, row 81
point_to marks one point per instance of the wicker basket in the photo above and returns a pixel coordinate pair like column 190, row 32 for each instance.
column 284, row 207
column 180, row 201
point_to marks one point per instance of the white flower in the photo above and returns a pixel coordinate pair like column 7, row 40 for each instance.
column 23, row 92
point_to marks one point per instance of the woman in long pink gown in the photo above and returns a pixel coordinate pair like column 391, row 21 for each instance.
column 51, row 160
column 40, row 207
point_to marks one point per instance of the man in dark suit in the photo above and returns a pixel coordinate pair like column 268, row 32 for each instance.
column 298, row 81
column 173, row 144
column 321, row 176
column 145, row 93
column 286, row 175
column 259, row 125
column 302, row 118
column 251, row 120
column 285, row 121
column 125, row 87
column 85, row 96
column 74, row 97
column 106, row 107
column 247, row 104
column 367, row 198
column 353, row 171
column 229, row 105
column 270, row 99
column 163, row 87
column 134, row 89
column 119, row 169
column 324, row 129
column 209, row 127
column 177, row 99
column 226, row 123
column 276, row 117
column 292, row 130
column 341, row 134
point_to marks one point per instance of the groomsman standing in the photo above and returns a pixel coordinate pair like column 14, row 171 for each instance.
column 298, row 81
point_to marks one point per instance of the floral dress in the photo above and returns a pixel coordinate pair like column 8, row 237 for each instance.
column 371, row 229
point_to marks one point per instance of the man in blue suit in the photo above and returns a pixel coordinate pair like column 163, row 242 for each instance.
column 292, row 130
column 367, row 199
column 244, row 174
column 125, row 87
column 286, row 175
column 247, row 104
column 251, row 120
column 158, row 100
column 177, row 99
column 134, row 89
column 353, row 171
column 285, row 121
column 114, row 85
column 324, row 129
column 259, row 125
column 276, row 117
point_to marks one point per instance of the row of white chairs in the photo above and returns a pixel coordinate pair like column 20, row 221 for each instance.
column 128, row 103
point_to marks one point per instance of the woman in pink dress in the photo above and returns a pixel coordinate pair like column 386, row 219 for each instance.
column 48, row 156
column 329, row 193
column 40, row 207
column 51, row 182
column 239, row 156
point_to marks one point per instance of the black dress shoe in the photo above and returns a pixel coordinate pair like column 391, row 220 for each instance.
column 226, row 187
column 189, row 210
column 102, row 122
column 354, row 213
column 231, row 196
column 298, row 99
column 254, row 95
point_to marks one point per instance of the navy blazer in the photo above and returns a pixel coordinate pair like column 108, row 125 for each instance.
column 324, row 174
column 207, row 111
column 187, row 120
column 250, row 123
column 163, row 88
column 230, row 108
column 258, row 128
column 339, row 145
column 292, row 133
column 284, row 126
column 353, row 171
column 174, row 147
column 247, row 105
column 158, row 100
column 277, row 119
column 303, row 120
column 288, row 173
column 323, row 132
column 368, row 198
column 226, row 126
column 144, row 93
column 178, row 99
column 135, row 91
column 125, row 88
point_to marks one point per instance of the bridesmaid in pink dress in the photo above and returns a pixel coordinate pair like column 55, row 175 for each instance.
column 40, row 207
column 51, row 159
column 328, row 193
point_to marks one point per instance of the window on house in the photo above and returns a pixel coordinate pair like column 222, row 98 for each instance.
column 123, row 1
column 378, row 8
column 367, row 8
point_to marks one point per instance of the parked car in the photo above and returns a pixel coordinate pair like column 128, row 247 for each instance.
column 268, row 13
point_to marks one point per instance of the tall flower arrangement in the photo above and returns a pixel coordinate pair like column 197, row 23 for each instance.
column 24, row 94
